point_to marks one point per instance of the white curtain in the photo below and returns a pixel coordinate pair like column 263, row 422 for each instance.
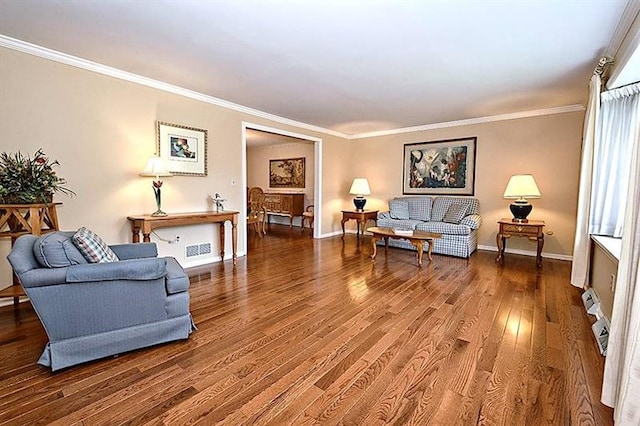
column 614, row 144
column 621, row 384
column 582, row 242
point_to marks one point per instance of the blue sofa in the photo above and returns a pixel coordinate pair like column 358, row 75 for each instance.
column 456, row 218
column 94, row 310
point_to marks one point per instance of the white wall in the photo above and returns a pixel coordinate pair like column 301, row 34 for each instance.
column 102, row 131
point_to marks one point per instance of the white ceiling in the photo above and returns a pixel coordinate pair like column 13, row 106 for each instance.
column 349, row 66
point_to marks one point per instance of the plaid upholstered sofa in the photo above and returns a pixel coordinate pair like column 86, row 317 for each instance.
column 457, row 219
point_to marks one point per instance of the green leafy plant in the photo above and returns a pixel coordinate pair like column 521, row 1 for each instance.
column 26, row 180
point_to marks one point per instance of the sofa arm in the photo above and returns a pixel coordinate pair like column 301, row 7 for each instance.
column 135, row 251
column 177, row 280
column 384, row 215
column 135, row 270
column 473, row 221
column 42, row 277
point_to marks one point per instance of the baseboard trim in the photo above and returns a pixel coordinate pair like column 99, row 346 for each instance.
column 9, row 301
column 529, row 253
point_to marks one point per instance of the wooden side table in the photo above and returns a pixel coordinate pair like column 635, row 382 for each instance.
column 20, row 219
column 360, row 216
column 532, row 230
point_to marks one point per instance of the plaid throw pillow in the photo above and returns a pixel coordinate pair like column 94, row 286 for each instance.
column 92, row 247
column 399, row 209
column 455, row 213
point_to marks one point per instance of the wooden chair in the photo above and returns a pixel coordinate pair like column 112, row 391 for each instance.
column 257, row 211
column 308, row 215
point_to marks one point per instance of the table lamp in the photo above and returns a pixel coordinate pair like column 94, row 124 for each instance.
column 360, row 188
column 519, row 187
column 155, row 168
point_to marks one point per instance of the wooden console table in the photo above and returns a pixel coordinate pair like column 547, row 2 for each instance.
column 533, row 230
column 147, row 223
column 20, row 219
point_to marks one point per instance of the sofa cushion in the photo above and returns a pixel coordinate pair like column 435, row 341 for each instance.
column 92, row 247
column 444, row 228
column 399, row 209
column 56, row 250
column 398, row 224
column 419, row 207
column 455, row 213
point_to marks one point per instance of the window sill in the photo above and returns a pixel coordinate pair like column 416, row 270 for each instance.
column 611, row 246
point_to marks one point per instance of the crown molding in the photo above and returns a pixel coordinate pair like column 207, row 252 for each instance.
column 624, row 43
column 629, row 15
column 53, row 55
column 470, row 121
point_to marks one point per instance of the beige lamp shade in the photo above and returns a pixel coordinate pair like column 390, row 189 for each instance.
column 522, row 186
column 155, row 168
column 360, row 186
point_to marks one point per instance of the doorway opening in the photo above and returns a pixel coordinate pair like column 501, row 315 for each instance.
column 262, row 148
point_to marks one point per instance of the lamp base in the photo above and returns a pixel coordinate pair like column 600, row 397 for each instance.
column 520, row 210
column 359, row 202
column 158, row 213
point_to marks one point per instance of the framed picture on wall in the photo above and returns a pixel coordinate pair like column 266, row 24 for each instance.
column 183, row 149
column 286, row 173
column 445, row 167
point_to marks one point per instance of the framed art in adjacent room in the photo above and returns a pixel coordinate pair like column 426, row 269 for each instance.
column 286, row 173
column 445, row 167
column 183, row 149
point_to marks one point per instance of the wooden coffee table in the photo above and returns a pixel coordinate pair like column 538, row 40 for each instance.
column 417, row 239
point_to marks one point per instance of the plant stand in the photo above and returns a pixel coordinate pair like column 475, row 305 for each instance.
column 20, row 219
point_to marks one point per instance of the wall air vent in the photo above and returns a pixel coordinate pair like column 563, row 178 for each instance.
column 197, row 249
column 191, row 250
column 204, row 248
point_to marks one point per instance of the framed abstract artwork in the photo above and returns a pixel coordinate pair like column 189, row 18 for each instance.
column 445, row 167
column 286, row 173
column 183, row 149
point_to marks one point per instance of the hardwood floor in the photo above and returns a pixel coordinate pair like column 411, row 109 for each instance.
column 308, row 331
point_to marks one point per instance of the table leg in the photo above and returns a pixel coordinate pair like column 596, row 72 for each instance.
column 374, row 250
column 234, row 239
column 221, row 232
column 539, row 254
column 16, row 282
column 358, row 229
column 342, row 223
column 146, row 238
column 430, row 249
column 500, row 242
column 135, row 231
column 53, row 215
column 419, row 245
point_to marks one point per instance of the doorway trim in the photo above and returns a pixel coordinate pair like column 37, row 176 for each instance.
column 317, row 189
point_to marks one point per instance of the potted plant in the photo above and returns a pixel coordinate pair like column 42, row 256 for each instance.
column 26, row 180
